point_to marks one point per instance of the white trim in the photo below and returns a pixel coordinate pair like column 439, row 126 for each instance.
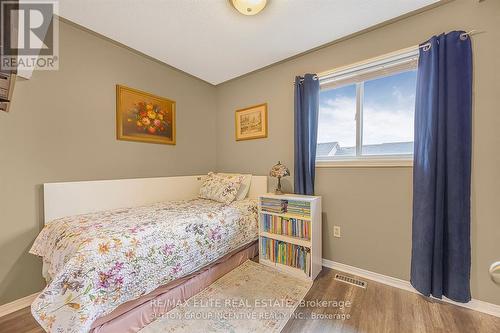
column 376, row 67
column 365, row 163
column 360, row 92
column 474, row 304
column 388, row 280
column 16, row 305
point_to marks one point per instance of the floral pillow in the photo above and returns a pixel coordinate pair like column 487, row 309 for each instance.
column 220, row 188
column 245, row 184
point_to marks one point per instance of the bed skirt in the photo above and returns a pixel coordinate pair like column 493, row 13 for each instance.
column 132, row 316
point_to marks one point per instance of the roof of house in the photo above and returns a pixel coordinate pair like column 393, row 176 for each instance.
column 324, row 149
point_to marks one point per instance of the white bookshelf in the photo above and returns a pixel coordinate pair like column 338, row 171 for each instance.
column 312, row 243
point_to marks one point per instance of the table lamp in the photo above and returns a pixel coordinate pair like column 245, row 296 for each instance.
column 279, row 171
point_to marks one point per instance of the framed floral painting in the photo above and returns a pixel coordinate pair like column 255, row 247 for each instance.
column 144, row 117
column 251, row 122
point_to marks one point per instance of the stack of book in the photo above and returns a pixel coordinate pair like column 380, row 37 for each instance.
column 287, row 254
column 273, row 205
column 286, row 226
column 299, row 208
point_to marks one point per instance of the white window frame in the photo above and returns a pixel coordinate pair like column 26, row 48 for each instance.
column 358, row 73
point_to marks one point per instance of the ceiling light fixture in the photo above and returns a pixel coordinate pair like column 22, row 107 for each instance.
column 249, row 7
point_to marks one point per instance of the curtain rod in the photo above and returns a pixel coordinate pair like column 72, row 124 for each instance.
column 425, row 47
column 463, row 36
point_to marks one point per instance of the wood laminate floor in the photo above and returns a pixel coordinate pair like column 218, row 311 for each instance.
column 378, row 308
column 385, row 309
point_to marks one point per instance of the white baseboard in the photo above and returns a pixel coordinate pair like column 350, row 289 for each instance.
column 474, row 304
column 18, row 304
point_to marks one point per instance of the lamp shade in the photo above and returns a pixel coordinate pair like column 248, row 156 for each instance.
column 279, row 170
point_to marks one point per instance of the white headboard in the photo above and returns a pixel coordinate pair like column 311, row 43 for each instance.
column 73, row 198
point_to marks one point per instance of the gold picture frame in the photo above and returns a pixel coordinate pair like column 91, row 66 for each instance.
column 144, row 117
column 251, row 123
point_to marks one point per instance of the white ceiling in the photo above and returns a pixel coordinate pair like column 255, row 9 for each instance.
column 212, row 41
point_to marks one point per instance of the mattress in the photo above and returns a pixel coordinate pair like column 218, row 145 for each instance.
column 98, row 261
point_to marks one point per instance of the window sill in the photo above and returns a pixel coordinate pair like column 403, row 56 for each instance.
column 366, row 163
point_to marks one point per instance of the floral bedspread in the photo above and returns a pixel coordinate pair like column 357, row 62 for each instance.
column 99, row 261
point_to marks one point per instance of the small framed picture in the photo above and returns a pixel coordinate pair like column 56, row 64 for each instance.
column 251, row 122
column 144, row 117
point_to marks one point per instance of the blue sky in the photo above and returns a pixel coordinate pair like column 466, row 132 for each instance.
column 388, row 112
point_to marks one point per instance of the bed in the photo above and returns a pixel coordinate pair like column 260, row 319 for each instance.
column 113, row 269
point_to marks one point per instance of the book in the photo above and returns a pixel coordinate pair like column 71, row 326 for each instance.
column 286, row 254
column 299, row 208
column 286, row 226
column 273, row 205
column 285, row 206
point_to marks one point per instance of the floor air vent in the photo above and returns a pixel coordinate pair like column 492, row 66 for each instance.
column 350, row 280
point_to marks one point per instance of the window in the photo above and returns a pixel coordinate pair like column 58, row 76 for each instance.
column 367, row 111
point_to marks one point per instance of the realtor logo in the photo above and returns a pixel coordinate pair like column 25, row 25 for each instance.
column 29, row 35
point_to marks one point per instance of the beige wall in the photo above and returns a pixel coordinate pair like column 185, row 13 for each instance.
column 373, row 205
column 62, row 128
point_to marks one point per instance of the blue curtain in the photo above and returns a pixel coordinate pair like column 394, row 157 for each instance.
column 441, row 256
column 306, row 132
